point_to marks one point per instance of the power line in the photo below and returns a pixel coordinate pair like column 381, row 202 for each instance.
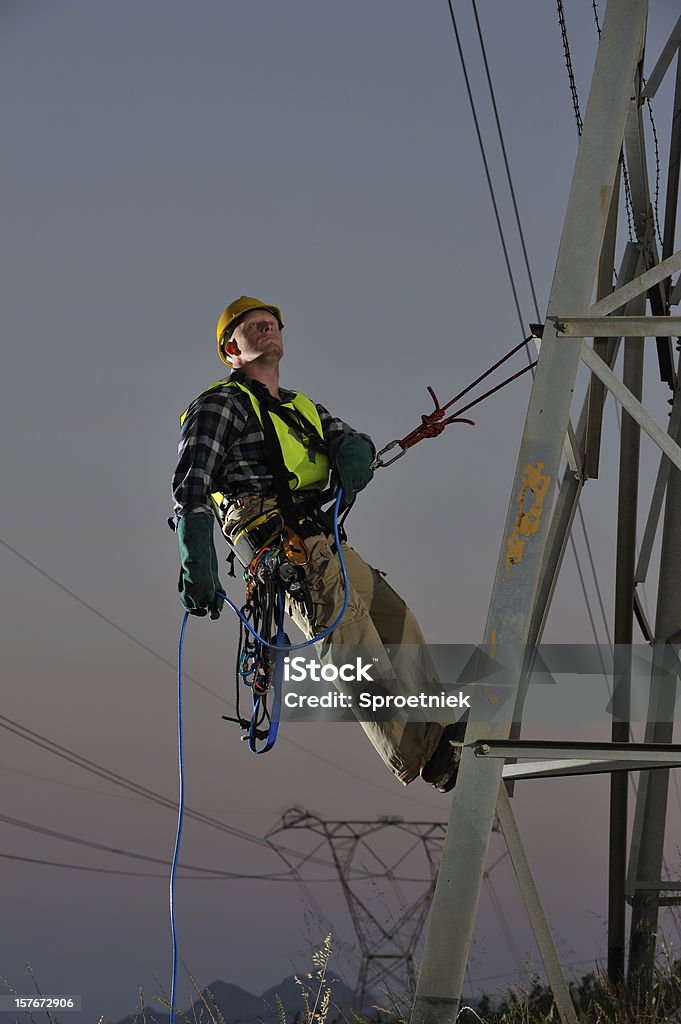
column 119, row 780
column 93, row 870
column 105, row 618
column 61, row 782
column 221, row 877
column 486, row 166
column 519, row 974
column 519, row 225
column 160, row 657
column 506, row 164
column 503, row 920
column 118, row 851
column 595, row 576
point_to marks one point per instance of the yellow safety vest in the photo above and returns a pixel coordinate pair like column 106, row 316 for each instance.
column 309, row 465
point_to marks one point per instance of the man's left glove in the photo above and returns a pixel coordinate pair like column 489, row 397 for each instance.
column 199, row 565
column 352, row 465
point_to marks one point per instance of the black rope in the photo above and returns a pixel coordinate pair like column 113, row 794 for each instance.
column 509, row 380
column 522, row 344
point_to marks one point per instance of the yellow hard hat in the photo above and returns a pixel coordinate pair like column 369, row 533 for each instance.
column 233, row 313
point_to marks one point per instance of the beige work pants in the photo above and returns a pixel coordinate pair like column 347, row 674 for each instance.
column 376, row 616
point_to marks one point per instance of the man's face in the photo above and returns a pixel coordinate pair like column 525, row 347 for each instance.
column 257, row 335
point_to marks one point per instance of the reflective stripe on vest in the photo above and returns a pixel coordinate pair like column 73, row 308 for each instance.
column 309, row 466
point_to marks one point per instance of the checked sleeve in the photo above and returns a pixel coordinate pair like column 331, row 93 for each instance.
column 206, row 436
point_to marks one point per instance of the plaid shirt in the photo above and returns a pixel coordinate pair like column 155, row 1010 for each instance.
column 222, row 447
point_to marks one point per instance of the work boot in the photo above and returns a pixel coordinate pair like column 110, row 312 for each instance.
column 442, row 769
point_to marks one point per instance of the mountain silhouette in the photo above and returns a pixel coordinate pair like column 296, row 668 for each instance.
column 238, row 1006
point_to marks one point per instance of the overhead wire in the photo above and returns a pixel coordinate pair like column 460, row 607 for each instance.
column 520, row 974
column 95, row 870
column 104, row 618
column 119, row 780
column 116, row 850
column 215, row 874
column 519, row 223
column 531, row 276
column 66, row 754
column 61, row 782
column 509, row 177
column 503, row 920
column 166, row 661
column 488, row 176
column 221, row 877
column 592, row 565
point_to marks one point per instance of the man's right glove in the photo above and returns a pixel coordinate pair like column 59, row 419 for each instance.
column 199, row 565
column 352, row 470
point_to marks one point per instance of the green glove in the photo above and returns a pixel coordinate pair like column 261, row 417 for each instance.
column 352, row 465
column 199, row 565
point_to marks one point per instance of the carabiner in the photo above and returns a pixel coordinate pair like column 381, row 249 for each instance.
column 378, row 461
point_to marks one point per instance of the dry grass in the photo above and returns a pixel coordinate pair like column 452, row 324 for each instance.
column 596, row 1001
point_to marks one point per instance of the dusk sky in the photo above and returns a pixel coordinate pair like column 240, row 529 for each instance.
column 159, row 160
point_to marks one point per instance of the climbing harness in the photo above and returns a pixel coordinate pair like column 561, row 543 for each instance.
column 433, row 424
column 270, row 576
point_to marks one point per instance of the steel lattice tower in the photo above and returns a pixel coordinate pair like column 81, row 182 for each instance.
column 583, row 304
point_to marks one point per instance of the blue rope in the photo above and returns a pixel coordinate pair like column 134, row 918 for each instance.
column 180, row 813
column 271, row 738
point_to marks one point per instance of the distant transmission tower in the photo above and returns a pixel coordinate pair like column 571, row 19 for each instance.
column 387, row 871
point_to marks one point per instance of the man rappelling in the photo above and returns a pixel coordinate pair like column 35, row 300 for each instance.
column 260, row 457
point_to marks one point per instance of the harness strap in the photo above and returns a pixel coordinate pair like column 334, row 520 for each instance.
column 298, row 423
column 278, row 466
